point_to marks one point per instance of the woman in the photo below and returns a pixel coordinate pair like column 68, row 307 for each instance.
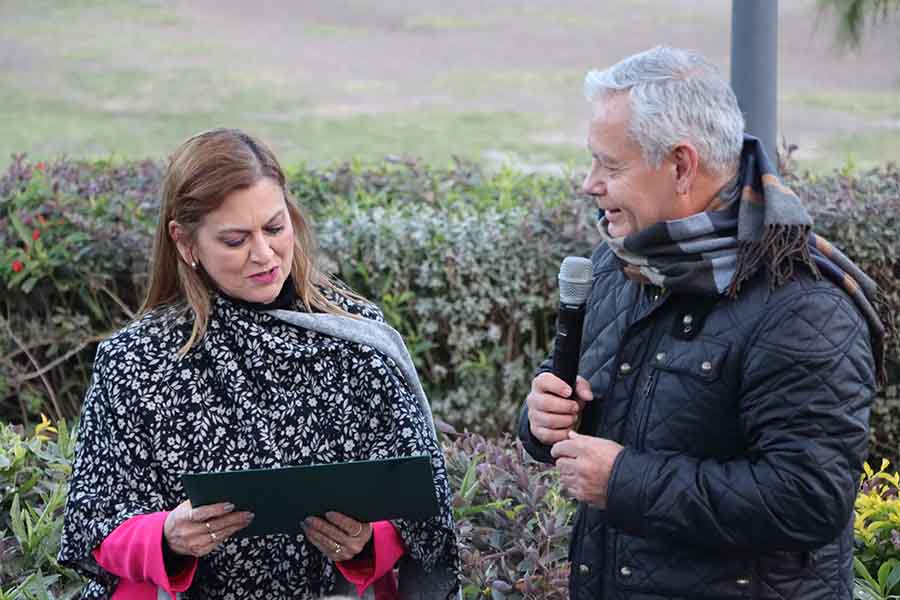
column 211, row 378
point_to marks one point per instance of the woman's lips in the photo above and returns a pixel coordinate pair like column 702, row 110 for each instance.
column 265, row 277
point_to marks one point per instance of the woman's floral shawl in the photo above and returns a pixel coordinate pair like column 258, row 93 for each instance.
column 255, row 393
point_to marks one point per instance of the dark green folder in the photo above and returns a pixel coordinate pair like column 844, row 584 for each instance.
column 373, row 490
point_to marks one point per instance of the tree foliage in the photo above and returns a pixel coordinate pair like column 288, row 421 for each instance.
column 854, row 15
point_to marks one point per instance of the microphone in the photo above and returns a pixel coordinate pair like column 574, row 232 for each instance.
column 575, row 279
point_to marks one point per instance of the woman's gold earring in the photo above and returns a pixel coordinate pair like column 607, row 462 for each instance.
column 194, row 265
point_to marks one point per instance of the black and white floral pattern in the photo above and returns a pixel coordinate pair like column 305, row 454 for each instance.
column 256, row 393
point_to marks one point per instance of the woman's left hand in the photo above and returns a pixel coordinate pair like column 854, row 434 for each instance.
column 338, row 536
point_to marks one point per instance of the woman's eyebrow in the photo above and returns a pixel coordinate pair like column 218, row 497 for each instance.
column 242, row 230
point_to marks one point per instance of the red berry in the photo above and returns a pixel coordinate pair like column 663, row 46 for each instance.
column 17, row 266
column 36, row 235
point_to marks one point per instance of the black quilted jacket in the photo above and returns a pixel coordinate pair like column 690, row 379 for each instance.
column 745, row 424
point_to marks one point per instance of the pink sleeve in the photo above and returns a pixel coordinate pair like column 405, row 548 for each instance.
column 377, row 568
column 134, row 553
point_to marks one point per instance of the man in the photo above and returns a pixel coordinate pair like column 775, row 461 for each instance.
column 727, row 360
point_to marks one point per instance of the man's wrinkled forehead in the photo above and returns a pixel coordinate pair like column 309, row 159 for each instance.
column 611, row 104
column 608, row 126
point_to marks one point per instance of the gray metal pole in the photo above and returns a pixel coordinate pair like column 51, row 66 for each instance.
column 754, row 67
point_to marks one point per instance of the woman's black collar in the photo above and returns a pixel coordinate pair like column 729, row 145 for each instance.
column 285, row 299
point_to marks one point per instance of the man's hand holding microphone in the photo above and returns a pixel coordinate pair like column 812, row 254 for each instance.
column 554, row 411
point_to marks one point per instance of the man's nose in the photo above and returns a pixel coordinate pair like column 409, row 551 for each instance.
column 593, row 185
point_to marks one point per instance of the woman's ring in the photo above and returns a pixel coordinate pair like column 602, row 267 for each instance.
column 337, row 548
column 208, row 528
column 358, row 531
column 213, row 536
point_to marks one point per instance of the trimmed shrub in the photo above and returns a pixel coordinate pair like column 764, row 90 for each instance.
column 513, row 521
column 463, row 263
column 33, row 481
column 877, row 530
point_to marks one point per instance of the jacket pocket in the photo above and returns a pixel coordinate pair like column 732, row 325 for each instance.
column 667, row 569
column 701, row 358
column 689, row 403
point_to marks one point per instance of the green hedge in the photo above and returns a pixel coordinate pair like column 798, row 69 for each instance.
column 512, row 520
column 463, row 263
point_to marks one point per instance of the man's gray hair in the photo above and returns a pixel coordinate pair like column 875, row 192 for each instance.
column 676, row 95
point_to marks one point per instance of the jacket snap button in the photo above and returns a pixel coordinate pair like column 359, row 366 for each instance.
column 688, row 319
column 706, row 366
column 625, row 571
column 625, row 368
column 584, row 569
column 661, row 357
column 743, row 581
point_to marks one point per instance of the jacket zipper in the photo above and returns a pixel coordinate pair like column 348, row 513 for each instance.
column 650, row 385
column 638, row 317
column 645, row 413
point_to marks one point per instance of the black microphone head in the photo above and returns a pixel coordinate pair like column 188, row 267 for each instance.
column 575, row 278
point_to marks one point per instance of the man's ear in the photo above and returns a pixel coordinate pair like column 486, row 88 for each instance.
column 686, row 161
column 180, row 237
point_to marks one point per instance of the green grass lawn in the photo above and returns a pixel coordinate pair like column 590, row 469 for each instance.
column 101, row 78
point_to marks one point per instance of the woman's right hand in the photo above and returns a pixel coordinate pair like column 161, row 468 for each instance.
column 198, row 531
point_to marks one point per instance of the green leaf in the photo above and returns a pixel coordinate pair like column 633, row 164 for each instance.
column 862, row 591
column 469, row 484
column 62, row 437
column 29, row 284
column 91, row 303
column 19, row 228
column 863, row 572
column 894, row 576
column 17, row 521
column 884, row 572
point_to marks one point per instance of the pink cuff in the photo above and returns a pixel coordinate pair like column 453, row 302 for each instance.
column 133, row 552
column 378, row 568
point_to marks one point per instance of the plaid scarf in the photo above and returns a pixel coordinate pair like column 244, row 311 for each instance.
column 754, row 222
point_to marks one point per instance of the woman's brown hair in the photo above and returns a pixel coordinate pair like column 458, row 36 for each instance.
column 201, row 173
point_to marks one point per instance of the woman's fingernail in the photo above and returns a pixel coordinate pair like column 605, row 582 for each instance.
column 228, row 507
column 250, row 517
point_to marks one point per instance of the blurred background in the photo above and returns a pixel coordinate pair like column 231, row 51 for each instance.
column 498, row 82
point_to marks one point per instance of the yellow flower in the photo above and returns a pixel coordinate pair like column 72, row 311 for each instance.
column 44, row 425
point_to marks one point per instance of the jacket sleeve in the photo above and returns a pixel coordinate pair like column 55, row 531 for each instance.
column 376, row 569
column 808, row 379
column 538, row 450
column 134, row 552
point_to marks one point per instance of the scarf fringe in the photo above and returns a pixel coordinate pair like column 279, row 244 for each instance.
column 889, row 331
column 780, row 249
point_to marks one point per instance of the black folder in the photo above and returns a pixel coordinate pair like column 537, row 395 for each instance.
column 372, row 490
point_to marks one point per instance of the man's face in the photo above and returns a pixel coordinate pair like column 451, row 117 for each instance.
column 632, row 194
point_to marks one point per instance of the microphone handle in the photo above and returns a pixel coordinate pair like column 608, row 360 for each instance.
column 567, row 349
